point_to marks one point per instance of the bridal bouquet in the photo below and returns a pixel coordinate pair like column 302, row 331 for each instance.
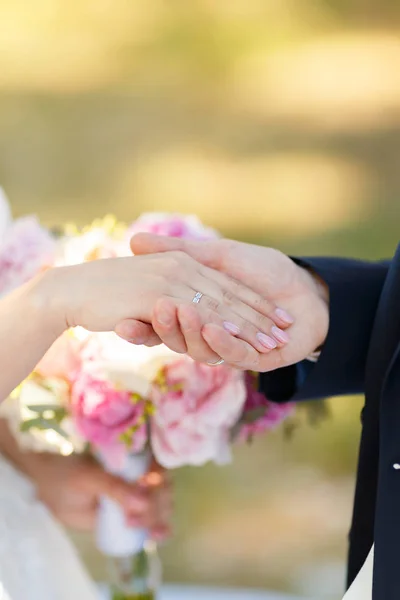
column 123, row 402
column 97, row 389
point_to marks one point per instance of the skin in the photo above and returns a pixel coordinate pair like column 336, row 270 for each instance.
column 107, row 295
column 103, row 294
column 71, row 486
column 268, row 272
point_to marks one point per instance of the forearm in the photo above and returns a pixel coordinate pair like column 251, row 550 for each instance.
column 27, row 330
column 354, row 289
column 10, row 449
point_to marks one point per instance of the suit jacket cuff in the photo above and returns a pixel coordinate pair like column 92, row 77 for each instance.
column 355, row 288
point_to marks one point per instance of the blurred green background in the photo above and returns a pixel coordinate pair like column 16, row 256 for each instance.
column 276, row 121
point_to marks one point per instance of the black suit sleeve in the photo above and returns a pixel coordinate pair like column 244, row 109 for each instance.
column 355, row 288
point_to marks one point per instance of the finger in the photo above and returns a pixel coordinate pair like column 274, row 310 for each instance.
column 82, row 520
column 237, row 318
column 159, row 509
column 161, row 533
column 234, row 352
column 239, row 354
column 206, row 253
column 166, row 326
column 130, row 496
column 252, row 306
column 190, row 321
column 137, row 332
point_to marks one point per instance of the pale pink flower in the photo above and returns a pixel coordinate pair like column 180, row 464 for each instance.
column 196, row 407
column 26, row 249
column 102, row 414
column 174, row 225
column 271, row 413
column 63, row 360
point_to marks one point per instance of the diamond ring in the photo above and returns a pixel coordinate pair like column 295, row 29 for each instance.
column 197, row 297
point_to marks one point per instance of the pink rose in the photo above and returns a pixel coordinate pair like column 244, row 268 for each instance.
column 103, row 414
column 268, row 414
column 63, row 360
column 195, row 408
column 175, row 225
column 26, row 249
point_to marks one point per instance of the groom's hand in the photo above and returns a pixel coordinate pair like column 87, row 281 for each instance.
column 266, row 271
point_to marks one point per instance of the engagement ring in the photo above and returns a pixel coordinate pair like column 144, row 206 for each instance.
column 197, row 297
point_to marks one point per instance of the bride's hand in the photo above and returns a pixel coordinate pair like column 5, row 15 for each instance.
column 100, row 294
column 72, row 486
column 108, row 294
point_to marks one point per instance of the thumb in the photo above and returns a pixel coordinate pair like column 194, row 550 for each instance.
column 137, row 333
column 207, row 253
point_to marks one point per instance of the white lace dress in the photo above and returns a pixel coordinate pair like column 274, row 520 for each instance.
column 37, row 560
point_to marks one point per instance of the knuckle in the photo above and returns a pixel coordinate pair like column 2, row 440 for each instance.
column 228, row 297
column 180, row 257
column 262, row 322
column 169, row 265
column 213, row 304
column 248, row 330
column 237, row 289
column 261, row 304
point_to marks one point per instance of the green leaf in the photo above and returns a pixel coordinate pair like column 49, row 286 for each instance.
column 43, row 424
column 31, row 423
column 41, row 408
column 253, row 415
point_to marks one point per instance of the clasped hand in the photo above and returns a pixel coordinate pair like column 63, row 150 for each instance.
column 279, row 292
column 158, row 291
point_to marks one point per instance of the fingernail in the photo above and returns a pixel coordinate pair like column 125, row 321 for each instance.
column 164, row 318
column 231, row 328
column 136, row 341
column 284, row 316
column 280, row 335
column 266, row 341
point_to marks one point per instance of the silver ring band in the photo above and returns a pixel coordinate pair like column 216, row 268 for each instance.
column 197, row 297
column 215, row 364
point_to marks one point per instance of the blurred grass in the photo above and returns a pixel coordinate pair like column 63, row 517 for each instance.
column 277, row 122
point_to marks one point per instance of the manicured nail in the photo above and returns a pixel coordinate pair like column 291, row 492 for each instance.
column 164, row 318
column 284, row 316
column 280, row 335
column 231, row 328
column 136, row 341
column 266, row 341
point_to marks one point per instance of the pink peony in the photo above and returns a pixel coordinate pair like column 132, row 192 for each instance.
column 103, row 414
column 175, row 225
column 26, row 249
column 196, row 407
column 272, row 414
column 63, row 360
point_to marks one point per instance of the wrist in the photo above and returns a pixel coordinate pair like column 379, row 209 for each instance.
column 320, row 290
column 44, row 297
